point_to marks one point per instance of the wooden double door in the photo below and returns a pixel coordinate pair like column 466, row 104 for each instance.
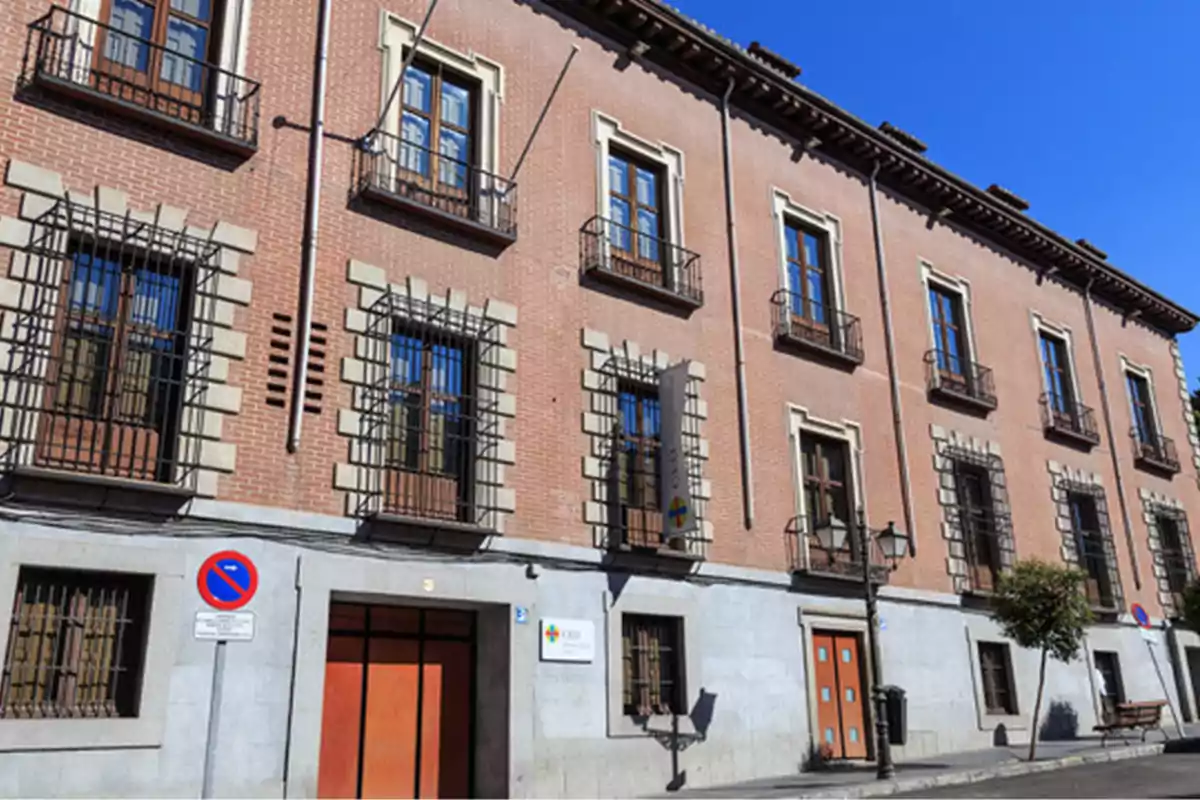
column 841, row 715
column 399, row 703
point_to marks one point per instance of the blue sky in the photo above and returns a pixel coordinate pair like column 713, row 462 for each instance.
column 1088, row 109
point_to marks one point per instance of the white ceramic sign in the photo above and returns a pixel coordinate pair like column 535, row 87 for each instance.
column 572, row 640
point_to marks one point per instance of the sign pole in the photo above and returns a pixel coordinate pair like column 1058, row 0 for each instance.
column 1163, row 683
column 214, row 718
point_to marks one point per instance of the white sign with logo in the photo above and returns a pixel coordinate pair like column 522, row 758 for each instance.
column 572, row 640
column 224, row 626
column 679, row 518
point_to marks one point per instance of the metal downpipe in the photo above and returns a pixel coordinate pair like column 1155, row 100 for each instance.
column 889, row 342
column 735, row 281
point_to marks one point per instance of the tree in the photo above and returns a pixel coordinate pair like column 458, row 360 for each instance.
column 1042, row 606
column 1190, row 613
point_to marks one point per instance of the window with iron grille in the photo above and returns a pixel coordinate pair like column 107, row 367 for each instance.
column 639, row 466
column 117, row 365
column 652, row 656
column 1092, row 546
column 977, row 520
column 1176, row 556
column 76, row 644
column 995, row 667
column 431, row 433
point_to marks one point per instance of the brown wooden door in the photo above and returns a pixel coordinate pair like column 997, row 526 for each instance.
column 841, row 720
column 397, row 719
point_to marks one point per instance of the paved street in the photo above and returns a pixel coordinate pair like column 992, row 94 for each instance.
column 1164, row 776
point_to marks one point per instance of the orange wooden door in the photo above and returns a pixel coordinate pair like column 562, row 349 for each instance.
column 341, row 719
column 829, row 722
column 850, row 701
column 389, row 756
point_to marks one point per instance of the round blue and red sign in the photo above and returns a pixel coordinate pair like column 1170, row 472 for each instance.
column 227, row 580
column 1139, row 615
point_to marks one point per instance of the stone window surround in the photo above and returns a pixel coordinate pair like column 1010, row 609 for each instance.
column 801, row 421
column 945, row 442
column 1041, row 325
column 1155, row 505
column 1130, row 367
column 931, row 276
column 235, row 36
column 396, row 36
column 608, row 130
column 986, row 721
column 43, row 189
column 620, row 725
column 598, row 428
column 355, row 475
column 1093, row 483
column 169, row 570
column 1186, row 401
column 784, row 209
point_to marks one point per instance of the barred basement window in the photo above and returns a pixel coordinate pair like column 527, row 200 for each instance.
column 76, row 645
column 652, row 657
column 431, row 430
column 996, row 670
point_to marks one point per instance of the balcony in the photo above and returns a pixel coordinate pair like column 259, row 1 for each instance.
column 818, row 330
column 442, row 189
column 844, row 563
column 1073, row 422
column 89, row 61
column 953, row 379
column 1154, row 452
column 644, row 264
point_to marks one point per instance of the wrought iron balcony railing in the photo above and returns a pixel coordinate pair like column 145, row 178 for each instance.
column 87, row 59
column 817, row 327
column 846, row 563
column 952, row 377
column 622, row 255
column 1154, row 451
column 411, row 176
column 1062, row 417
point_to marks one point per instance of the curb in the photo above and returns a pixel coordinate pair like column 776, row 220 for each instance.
column 1012, row 770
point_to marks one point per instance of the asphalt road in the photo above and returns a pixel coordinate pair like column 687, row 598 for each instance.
column 1164, row 776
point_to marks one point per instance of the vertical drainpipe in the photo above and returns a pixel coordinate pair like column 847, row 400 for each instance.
column 312, row 216
column 1112, row 442
column 735, row 281
column 889, row 342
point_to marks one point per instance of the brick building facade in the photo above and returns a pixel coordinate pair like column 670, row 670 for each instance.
column 465, row 454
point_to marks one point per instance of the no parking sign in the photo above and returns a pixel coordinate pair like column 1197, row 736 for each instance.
column 227, row 580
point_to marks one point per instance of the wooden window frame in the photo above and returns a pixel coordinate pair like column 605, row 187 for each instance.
column 651, row 684
column 977, row 520
column 998, row 690
column 1174, row 554
column 1141, row 399
column 439, row 75
column 941, row 327
column 820, row 483
column 823, row 269
column 1062, row 406
column 628, row 195
column 639, row 490
column 1083, row 508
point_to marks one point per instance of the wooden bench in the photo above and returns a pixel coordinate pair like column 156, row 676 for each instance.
column 1144, row 716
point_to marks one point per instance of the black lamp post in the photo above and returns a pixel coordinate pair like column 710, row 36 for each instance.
column 831, row 536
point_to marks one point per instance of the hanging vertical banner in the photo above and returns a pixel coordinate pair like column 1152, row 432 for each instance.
column 679, row 511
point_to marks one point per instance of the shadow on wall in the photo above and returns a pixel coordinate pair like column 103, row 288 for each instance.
column 1061, row 723
column 1000, row 736
column 676, row 741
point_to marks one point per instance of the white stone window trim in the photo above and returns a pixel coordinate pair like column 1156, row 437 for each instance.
column 1185, row 397
column 801, row 422
column 1155, row 505
column 396, row 37
column 1143, row 371
column 200, row 442
column 988, row 722
column 358, row 474
column 169, row 570
column 607, row 131
column 785, row 210
column 234, row 35
column 1044, row 327
column 931, row 276
column 620, row 725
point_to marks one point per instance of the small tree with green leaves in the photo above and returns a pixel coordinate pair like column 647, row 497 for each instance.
column 1042, row 606
column 1190, row 613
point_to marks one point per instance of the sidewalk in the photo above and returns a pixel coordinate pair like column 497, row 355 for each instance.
column 947, row 770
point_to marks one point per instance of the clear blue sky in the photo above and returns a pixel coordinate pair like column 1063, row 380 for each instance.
column 1089, row 109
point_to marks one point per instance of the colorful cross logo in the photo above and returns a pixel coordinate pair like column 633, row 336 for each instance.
column 552, row 633
column 678, row 511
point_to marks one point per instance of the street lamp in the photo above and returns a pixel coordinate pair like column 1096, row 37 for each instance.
column 894, row 546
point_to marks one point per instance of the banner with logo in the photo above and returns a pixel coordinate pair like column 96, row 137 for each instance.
column 679, row 510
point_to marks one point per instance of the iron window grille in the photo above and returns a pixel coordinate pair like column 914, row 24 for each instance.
column 627, row 256
column 995, row 667
column 75, row 645
column 110, row 350
column 652, row 661
column 83, row 57
column 823, row 328
column 430, row 428
column 1091, row 534
column 628, row 400
column 1175, row 556
column 980, row 515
